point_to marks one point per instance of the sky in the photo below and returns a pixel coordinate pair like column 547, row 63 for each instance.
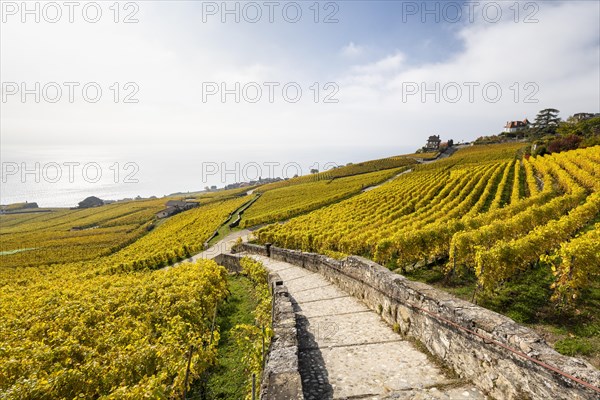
column 199, row 93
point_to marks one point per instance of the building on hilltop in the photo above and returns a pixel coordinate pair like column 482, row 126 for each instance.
column 583, row 116
column 433, row 143
column 515, row 126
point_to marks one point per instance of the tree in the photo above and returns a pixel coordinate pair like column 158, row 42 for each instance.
column 546, row 121
column 585, row 128
column 91, row 201
column 314, row 171
column 564, row 143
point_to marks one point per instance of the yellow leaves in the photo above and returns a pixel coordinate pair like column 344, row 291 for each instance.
column 133, row 347
column 290, row 200
column 455, row 207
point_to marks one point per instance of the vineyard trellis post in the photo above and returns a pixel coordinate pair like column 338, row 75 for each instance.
column 263, row 347
column 187, row 372
column 273, row 303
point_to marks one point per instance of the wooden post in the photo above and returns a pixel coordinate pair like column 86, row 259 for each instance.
column 273, row 304
column 187, row 372
column 253, row 386
column 212, row 327
column 263, row 347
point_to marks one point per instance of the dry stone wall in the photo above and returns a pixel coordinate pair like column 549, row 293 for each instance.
column 501, row 357
column 281, row 377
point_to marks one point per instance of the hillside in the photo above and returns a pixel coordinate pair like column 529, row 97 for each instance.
column 516, row 234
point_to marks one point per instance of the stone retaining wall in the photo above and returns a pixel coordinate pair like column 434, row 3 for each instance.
column 229, row 261
column 452, row 330
column 281, row 377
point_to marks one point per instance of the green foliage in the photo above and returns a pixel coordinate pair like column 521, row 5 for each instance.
column 522, row 297
column 574, row 346
column 546, row 121
column 585, row 128
column 228, row 379
column 249, row 337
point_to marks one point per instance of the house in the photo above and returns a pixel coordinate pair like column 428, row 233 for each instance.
column 174, row 207
column 184, row 205
column 583, row 116
column 515, row 126
column 167, row 212
column 433, row 143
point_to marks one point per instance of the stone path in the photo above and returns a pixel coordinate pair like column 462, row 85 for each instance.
column 347, row 352
column 222, row 246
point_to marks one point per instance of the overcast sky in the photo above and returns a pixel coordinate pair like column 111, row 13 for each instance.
column 373, row 59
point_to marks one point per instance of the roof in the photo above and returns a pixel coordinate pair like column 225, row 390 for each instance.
column 434, row 138
column 176, row 203
column 517, row 124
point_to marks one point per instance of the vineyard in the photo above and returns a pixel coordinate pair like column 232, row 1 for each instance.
column 71, row 332
column 108, row 325
column 344, row 171
column 115, row 235
column 73, row 235
column 177, row 238
column 289, row 201
column 486, row 210
column 87, row 311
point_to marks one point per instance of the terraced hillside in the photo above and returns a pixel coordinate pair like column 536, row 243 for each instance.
column 110, row 322
column 288, row 201
column 65, row 235
column 84, row 295
column 486, row 209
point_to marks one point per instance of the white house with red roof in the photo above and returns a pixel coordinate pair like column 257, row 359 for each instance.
column 515, row 126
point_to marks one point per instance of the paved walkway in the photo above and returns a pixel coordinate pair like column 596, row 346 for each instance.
column 347, row 352
column 222, row 246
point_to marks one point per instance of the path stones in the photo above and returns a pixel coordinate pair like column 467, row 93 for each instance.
column 347, row 352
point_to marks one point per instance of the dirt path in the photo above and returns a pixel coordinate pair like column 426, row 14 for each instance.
column 389, row 180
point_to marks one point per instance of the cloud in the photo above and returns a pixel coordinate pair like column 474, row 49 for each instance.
column 170, row 55
column 352, row 50
column 548, row 61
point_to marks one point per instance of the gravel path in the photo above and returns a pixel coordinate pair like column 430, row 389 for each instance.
column 347, row 352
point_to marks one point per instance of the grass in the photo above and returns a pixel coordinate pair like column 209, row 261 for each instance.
column 228, row 380
column 225, row 230
column 572, row 331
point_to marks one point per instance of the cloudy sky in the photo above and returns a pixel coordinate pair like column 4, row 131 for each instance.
column 260, row 82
